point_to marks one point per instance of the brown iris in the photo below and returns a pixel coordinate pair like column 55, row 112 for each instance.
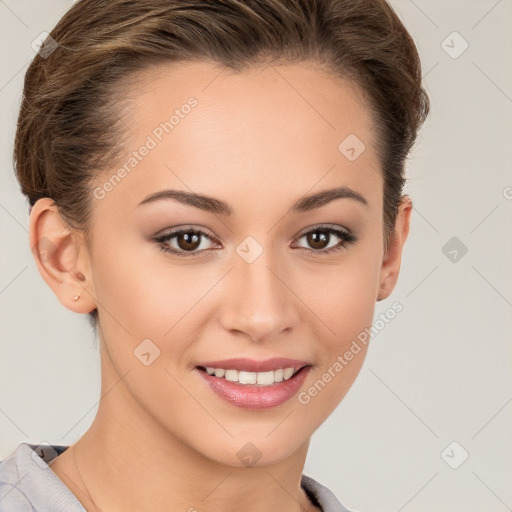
column 318, row 239
column 188, row 241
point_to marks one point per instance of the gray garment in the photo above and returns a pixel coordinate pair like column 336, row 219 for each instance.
column 27, row 484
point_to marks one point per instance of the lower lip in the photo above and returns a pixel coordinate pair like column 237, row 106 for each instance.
column 251, row 396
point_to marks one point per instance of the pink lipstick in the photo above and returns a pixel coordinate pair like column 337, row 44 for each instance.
column 251, row 384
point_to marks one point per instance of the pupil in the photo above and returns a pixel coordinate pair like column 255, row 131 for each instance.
column 318, row 239
column 188, row 241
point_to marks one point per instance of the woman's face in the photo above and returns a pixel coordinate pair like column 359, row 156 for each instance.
column 263, row 281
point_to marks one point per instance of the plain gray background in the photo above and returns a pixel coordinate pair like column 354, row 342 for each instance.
column 439, row 373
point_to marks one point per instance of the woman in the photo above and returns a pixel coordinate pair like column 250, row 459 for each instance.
column 218, row 185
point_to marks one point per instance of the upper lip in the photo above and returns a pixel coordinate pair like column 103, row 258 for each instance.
column 251, row 365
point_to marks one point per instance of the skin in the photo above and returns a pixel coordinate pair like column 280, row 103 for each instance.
column 259, row 141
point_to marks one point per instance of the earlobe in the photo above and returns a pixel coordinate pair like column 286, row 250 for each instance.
column 393, row 256
column 60, row 257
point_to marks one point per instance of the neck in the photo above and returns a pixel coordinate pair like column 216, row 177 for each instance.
column 125, row 459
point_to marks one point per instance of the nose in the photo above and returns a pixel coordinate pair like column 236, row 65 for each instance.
column 258, row 300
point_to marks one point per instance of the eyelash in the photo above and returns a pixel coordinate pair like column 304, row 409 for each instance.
column 346, row 238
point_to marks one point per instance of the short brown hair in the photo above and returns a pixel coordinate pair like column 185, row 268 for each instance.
column 69, row 124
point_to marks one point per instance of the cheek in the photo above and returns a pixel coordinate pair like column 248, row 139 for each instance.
column 342, row 302
column 142, row 290
column 343, row 297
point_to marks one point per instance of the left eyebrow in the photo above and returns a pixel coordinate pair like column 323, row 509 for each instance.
column 210, row 204
column 325, row 196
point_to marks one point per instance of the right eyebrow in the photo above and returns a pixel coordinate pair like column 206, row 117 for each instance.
column 206, row 203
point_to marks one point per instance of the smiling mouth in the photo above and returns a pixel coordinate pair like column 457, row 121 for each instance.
column 254, row 384
column 267, row 378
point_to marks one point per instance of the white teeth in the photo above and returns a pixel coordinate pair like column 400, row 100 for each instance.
column 265, row 378
column 288, row 372
column 219, row 372
column 260, row 378
column 231, row 375
column 247, row 377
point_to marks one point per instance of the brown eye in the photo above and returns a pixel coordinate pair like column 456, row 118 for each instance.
column 324, row 240
column 318, row 239
column 188, row 241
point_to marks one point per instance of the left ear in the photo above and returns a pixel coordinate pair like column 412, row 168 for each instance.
column 393, row 257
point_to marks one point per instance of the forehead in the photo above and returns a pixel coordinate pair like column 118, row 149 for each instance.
column 265, row 129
